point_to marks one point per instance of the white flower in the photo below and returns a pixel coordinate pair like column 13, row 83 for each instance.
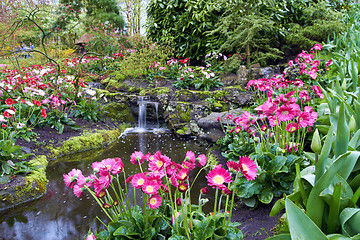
column 90, row 92
column 105, row 99
column 29, row 103
column 212, row 74
column 2, row 118
column 10, row 111
column 19, row 125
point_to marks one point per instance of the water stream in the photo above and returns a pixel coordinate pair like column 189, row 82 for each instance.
column 60, row 214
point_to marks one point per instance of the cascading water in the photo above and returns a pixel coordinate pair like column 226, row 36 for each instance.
column 143, row 102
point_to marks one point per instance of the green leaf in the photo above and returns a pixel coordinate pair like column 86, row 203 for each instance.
column 284, row 236
column 266, row 196
column 177, row 237
column 342, row 134
column 300, row 225
column 350, row 219
column 5, row 179
column 277, row 163
column 316, row 213
column 205, row 228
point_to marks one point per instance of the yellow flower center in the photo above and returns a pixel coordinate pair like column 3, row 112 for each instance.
column 153, row 201
column 149, row 188
column 141, row 181
column 219, row 179
column 245, row 168
column 159, row 163
column 285, row 113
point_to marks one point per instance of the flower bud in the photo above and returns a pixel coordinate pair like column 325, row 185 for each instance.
column 352, row 124
column 316, row 142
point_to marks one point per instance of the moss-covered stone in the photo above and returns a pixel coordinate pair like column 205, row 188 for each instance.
column 89, row 140
column 28, row 187
column 118, row 111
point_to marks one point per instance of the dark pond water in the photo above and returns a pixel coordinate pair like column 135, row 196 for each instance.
column 60, row 214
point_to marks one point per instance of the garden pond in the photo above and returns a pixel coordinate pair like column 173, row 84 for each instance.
column 60, row 214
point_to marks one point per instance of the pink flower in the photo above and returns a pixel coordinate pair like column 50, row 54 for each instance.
column 285, row 113
column 233, row 166
column 330, row 62
column 291, row 62
column 90, row 236
column 137, row 157
column 312, row 74
column 154, row 201
column 118, row 166
column 171, row 168
column 307, row 119
column 204, row 190
column 201, row 160
column 104, row 179
column 268, row 108
column 292, row 127
column 248, row 167
column 304, row 96
column 317, row 90
column 158, row 161
column 317, row 46
column 315, row 63
column 150, row 187
column 218, row 176
column 77, row 191
column 190, row 156
column 182, row 174
column 138, row 180
column 292, row 147
column 71, row 177
column 183, row 187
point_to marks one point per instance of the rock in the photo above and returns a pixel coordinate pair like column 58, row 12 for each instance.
column 212, row 129
column 26, row 188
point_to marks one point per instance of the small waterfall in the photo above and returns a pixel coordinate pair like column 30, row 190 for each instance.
column 143, row 102
column 142, row 112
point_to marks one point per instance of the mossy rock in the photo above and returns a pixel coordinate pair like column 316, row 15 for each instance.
column 118, row 111
column 25, row 188
column 87, row 141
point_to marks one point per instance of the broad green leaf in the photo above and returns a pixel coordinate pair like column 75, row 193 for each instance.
column 266, row 196
column 284, row 236
column 250, row 202
column 300, row 225
column 325, row 151
column 177, row 237
column 342, row 134
column 316, row 213
column 205, row 228
column 277, row 163
column 350, row 219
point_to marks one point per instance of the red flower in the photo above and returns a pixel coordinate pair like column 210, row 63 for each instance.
column 43, row 113
column 154, row 201
column 9, row 101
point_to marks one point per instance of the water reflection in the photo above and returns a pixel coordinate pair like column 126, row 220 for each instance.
column 60, row 214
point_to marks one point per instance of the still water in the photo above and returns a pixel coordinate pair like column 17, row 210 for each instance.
column 60, row 214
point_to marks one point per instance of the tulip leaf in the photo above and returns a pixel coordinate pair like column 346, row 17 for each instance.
column 350, row 219
column 300, row 225
column 342, row 134
column 316, row 213
column 284, row 236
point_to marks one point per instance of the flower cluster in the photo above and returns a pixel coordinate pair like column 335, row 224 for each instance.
column 157, row 183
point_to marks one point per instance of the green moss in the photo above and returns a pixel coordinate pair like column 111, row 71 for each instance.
column 185, row 116
column 29, row 187
column 118, row 111
column 159, row 90
column 182, row 130
column 237, row 87
column 89, row 140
